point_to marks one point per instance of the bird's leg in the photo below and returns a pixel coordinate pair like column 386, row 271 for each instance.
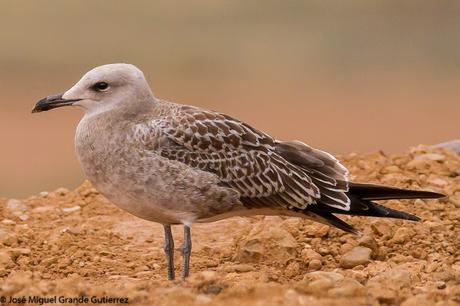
column 186, row 250
column 169, row 250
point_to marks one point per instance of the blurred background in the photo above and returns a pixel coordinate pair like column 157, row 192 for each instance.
column 344, row 76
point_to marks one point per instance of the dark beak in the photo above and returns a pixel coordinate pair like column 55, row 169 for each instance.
column 51, row 102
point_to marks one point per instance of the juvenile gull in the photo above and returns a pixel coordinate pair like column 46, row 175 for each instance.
column 178, row 164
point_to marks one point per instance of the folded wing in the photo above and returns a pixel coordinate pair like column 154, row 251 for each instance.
column 266, row 172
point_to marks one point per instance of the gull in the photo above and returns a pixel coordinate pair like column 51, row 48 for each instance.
column 177, row 164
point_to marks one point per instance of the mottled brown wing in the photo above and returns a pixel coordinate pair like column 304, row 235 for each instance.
column 242, row 157
column 326, row 172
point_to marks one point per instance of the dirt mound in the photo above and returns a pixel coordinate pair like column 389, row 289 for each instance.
column 74, row 243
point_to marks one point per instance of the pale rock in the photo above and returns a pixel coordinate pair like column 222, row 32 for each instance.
column 382, row 228
column 241, row 268
column 455, row 201
column 72, row 209
column 357, row 256
column 438, row 181
column 43, row 209
column 369, row 242
column 317, row 230
column 318, row 282
column 292, row 269
column 8, row 222
column 346, row 247
column 395, row 278
column 268, row 243
column 441, row 285
column 203, row 299
column 347, row 287
column 7, row 238
column 315, row 264
column 402, row 235
column 332, row 276
column 16, row 252
column 17, row 208
column 422, row 161
column 309, row 254
column 5, row 260
column 431, row 156
column 61, row 191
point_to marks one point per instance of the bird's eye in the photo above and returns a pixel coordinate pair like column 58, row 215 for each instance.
column 100, row 86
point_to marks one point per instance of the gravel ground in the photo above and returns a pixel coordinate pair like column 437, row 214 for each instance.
column 74, row 243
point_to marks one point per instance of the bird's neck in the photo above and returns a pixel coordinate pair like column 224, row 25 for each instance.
column 122, row 111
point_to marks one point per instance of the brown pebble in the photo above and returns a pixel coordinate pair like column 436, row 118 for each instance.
column 357, row 256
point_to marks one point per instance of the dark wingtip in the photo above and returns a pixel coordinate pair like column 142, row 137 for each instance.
column 411, row 217
column 433, row 195
column 382, row 192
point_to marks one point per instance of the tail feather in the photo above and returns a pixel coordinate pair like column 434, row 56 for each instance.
column 361, row 205
column 367, row 208
column 331, row 219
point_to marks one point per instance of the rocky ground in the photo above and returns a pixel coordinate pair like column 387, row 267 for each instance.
column 72, row 243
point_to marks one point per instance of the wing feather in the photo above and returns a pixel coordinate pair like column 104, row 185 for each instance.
column 264, row 171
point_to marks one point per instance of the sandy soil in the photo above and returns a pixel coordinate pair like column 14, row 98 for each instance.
column 73, row 243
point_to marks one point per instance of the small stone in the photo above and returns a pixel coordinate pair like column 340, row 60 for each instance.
column 5, row 260
column 441, row 285
column 292, row 269
column 357, row 256
column 455, row 201
column 8, row 222
column 334, row 277
column 402, row 235
column 72, row 209
column 346, row 247
column 438, row 181
column 320, row 230
column 44, row 194
column 369, row 242
column 315, row 264
column 16, row 206
column 43, row 209
column 209, row 263
column 308, row 254
column 323, row 251
column 381, row 228
column 241, row 268
column 142, row 268
column 431, row 156
column 16, row 252
column 61, row 191
column 7, row 238
column 347, row 287
column 202, row 299
column 419, row 203
column 318, row 282
column 267, row 242
column 23, row 217
column 395, row 278
column 89, row 191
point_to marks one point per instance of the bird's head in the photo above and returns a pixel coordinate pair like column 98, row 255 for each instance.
column 102, row 88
